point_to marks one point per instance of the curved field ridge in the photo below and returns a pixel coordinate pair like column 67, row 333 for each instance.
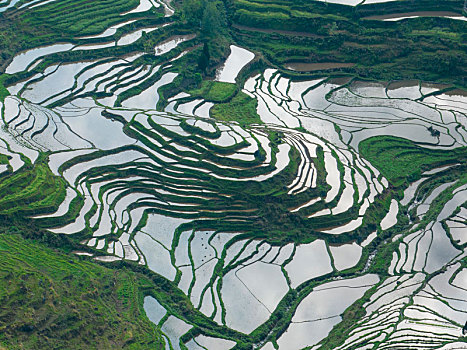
column 334, row 219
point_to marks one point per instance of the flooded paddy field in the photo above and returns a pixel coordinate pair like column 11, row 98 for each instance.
column 406, row 15
column 336, row 220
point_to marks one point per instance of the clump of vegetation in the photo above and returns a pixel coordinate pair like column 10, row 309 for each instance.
column 209, row 19
column 433, row 131
column 215, row 91
column 207, row 16
column 242, row 108
column 3, row 91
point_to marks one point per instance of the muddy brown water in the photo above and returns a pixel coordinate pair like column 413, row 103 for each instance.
column 307, row 67
column 402, row 83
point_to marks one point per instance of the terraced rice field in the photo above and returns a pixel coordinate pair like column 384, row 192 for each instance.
column 337, row 220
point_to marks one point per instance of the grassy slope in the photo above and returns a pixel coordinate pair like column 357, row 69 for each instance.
column 51, row 300
column 400, row 159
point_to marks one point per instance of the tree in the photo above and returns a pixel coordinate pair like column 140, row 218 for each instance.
column 203, row 61
column 213, row 19
column 192, row 12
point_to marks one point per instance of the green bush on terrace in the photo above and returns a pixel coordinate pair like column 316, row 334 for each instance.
column 215, row 91
column 242, row 108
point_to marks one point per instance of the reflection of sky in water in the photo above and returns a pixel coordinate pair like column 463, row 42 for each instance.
column 102, row 132
column 237, row 59
column 21, row 61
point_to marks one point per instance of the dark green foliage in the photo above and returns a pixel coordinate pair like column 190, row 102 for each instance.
column 192, row 12
column 208, row 16
column 213, row 19
column 203, row 61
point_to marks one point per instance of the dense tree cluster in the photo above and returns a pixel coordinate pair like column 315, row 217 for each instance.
column 206, row 15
